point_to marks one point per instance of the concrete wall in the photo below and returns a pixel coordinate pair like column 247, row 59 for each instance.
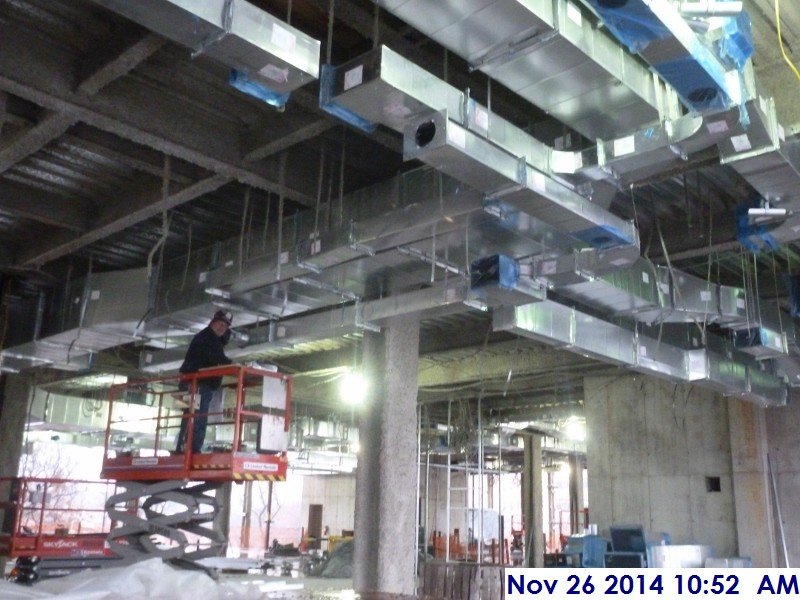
column 784, row 450
column 650, row 446
column 337, row 494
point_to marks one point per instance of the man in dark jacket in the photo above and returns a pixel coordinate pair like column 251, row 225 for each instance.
column 205, row 350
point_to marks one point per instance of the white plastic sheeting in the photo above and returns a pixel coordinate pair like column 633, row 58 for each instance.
column 149, row 579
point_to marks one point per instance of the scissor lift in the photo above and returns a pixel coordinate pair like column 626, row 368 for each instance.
column 58, row 523
column 169, row 504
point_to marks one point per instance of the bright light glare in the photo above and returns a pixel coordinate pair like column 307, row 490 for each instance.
column 353, row 388
column 575, row 430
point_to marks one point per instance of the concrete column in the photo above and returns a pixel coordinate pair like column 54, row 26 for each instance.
column 386, row 481
column 784, row 450
column 222, row 522
column 575, row 494
column 15, row 393
column 532, row 501
column 751, row 484
column 14, row 398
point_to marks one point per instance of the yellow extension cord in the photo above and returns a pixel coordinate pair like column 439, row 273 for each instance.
column 780, row 39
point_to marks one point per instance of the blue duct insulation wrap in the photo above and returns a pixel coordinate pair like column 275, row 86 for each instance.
column 691, row 80
column 242, row 82
column 603, row 237
column 327, row 104
column 696, row 69
column 736, row 44
column 632, row 22
column 753, row 237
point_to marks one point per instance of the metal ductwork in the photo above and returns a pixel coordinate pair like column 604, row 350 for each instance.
column 712, row 367
column 549, row 53
column 705, row 77
column 106, row 310
column 262, row 49
column 771, row 164
column 447, row 130
column 765, row 336
column 508, row 181
column 591, row 279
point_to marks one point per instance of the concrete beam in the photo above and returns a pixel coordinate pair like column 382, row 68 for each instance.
column 56, row 124
column 121, row 62
column 25, row 143
column 145, row 116
column 293, row 135
column 133, row 156
column 30, row 203
column 119, row 216
column 495, row 361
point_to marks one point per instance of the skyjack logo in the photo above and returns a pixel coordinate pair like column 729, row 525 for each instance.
column 60, row 544
column 144, row 461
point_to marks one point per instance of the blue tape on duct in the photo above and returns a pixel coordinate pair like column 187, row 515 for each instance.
column 631, row 22
column 327, row 104
column 497, row 269
column 754, row 238
column 603, row 237
column 242, row 82
column 696, row 87
column 736, row 44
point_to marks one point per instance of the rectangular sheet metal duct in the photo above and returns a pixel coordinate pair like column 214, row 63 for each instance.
column 549, row 53
column 234, row 32
column 106, row 310
column 563, row 327
column 507, row 179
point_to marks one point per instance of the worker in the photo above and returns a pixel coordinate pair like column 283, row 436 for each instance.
column 207, row 349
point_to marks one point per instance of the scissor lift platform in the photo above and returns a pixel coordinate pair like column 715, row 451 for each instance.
column 169, row 501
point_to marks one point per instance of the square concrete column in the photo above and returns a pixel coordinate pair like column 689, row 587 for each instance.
column 387, row 477
column 14, row 398
column 751, row 484
column 784, row 452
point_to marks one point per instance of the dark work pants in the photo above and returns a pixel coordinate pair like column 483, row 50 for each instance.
column 200, row 421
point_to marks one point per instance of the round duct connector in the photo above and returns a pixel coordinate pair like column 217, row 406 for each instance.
column 425, row 133
column 611, row 3
column 702, row 95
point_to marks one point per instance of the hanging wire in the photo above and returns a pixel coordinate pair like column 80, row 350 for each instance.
column 266, row 224
column 242, row 228
column 329, row 47
column 165, row 181
column 341, row 178
column 289, row 12
column 188, row 257
column 376, row 26
column 633, row 204
column 757, row 293
column 281, row 178
column 320, row 176
column 775, row 280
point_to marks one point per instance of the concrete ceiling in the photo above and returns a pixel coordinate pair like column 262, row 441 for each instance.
column 105, row 128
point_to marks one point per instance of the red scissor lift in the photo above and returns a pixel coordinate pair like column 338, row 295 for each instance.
column 169, row 503
column 61, row 522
